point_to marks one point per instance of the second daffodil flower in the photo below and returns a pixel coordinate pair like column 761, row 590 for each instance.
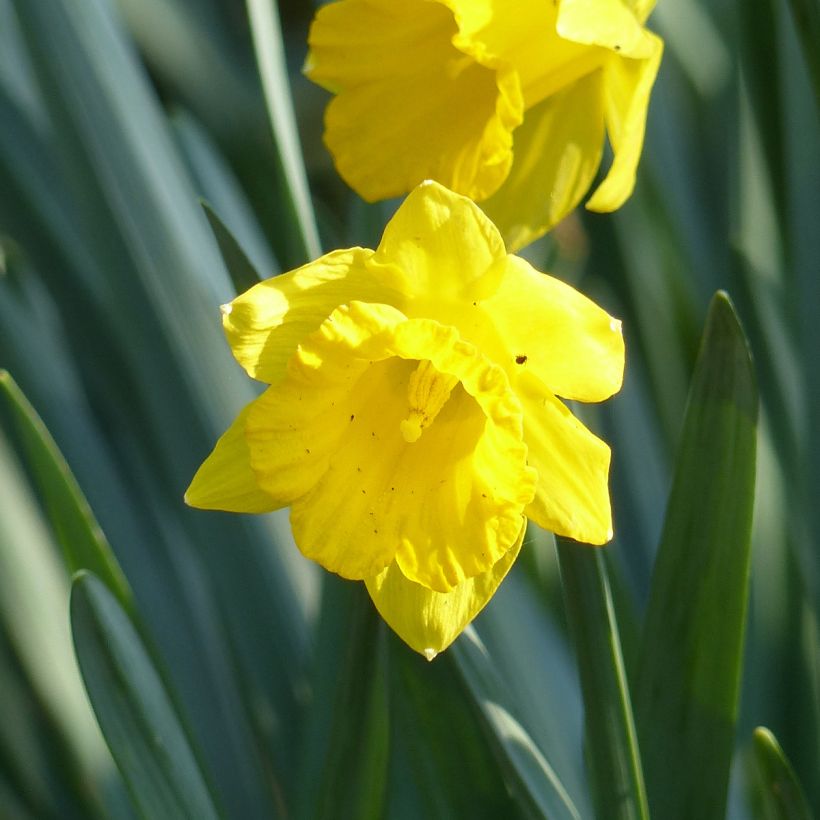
column 412, row 422
column 504, row 102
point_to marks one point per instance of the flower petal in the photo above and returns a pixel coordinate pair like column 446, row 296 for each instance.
column 441, row 242
column 266, row 323
column 554, row 332
column 446, row 503
column 611, row 24
column 225, row 481
column 557, row 153
column 410, row 105
column 430, row 621
column 572, row 497
column 627, row 86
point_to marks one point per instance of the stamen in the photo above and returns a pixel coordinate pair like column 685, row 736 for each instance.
column 427, row 392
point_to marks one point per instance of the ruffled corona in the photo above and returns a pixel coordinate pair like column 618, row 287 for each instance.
column 412, row 422
column 507, row 103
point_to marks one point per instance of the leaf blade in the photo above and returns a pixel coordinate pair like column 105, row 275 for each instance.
column 688, row 677
column 83, row 543
column 134, row 710
column 611, row 740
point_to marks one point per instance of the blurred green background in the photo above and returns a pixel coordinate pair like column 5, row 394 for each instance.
column 230, row 677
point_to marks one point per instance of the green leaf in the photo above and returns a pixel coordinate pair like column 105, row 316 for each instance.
column 135, row 713
column 806, row 14
column 526, row 770
column 270, row 56
column 344, row 767
column 83, row 542
column 689, row 670
column 781, row 793
column 612, row 747
column 442, row 762
column 243, row 273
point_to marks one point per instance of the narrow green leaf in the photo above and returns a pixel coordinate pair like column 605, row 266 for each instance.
column 782, row 795
column 612, row 746
column 442, row 761
column 270, row 56
column 350, row 711
column 806, row 14
column 243, row 274
column 689, row 669
column 134, row 710
column 526, row 770
column 83, row 543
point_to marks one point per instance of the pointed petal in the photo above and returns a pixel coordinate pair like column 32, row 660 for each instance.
column 226, row 481
column 556, row 333
column 441, row 242
column 557, row 153
column 446, row 503
column 430, row 621
column 572, row 495
column 410, row 105
column 266, row 323
column 627, row 86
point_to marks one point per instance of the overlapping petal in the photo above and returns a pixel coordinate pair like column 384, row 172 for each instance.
column 439, row 245
column 265, row 324
column 557, row 153
column 555, row 333
column 430, row 621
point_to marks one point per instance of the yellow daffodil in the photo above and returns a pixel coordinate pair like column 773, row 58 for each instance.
column 412, row 422
column 504, row 102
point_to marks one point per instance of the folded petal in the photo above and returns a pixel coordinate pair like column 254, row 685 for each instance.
column 557, row 152
column 627, row 86
column 572, row 497
column 430, row 621
column 226, row 481
column 442, row 244
column 557, row 334
column 266, row 323
column 401, row 442
column 410, row 105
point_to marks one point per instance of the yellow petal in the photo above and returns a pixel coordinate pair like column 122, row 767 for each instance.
column 266, row 323
column 445, row 503
column 430, row 621
column 572, row 496
column 523, row 35
column 410, row 105
column 442, row 244
column 557, row 153
column 641, row 8
column 627, row 86
column 610, row 24
column 555, row 333
column 225, row 481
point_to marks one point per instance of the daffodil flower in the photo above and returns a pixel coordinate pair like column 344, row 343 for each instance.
column 505, row 102
column 412, row 423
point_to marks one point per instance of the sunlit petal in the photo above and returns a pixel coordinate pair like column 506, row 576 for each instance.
column 430, row 621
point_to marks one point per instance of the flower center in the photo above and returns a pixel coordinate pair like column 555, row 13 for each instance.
column 427, row 392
